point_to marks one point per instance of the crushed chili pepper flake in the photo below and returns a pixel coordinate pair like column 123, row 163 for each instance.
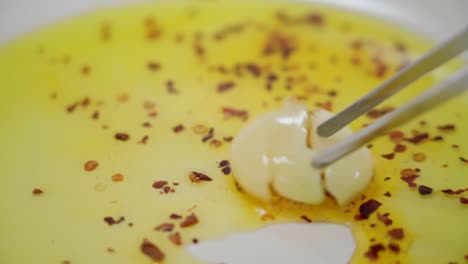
column 463, row 200
column 85, row 70
column 424, row 190
column 197, row 177
column 144, row 140
column 118, row 177
column 215, row 143
column 254, row 69
column 153, row 66
column 37, row 191
column 388, row 194
column 388, row 156
column 149, row 105
column 209, row 135
column 178, row 128
column 448, row 127
column 189, row 221
column 399, row 148
column 165, row 227
column 85, row 102
column 159, row 184
column 226, row 170
column 195, row 240
column 374, row 250
column 224, row 163
column 455, row 146
column 396, row 233
column 377, row 113
column 151, row 250
column 396, row 136
column 71, row 108
column 110, row 250
column 175, row 238
column 437, row 138
column 394, row 247
column 462, row 159
column 419, row 157
column 305, row 218
column 153, row 114
column 175, row 216
column 367, row 208
column 199, row 129
column 166, row 189
column 417, row 138
column 225, row 86
column 147, row 124
column 384, row 218
column 95, row 115
column 121, row 136
column 110, row 221
column 91, row 165
column 230, row 112
column 228, row 139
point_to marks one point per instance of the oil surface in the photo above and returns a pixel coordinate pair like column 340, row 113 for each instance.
column 173, row 70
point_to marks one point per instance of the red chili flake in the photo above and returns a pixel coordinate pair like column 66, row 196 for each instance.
column 452, row 192
column 455, row 146
column 178, row 128
column 130, row 224
column 146, row 124
column 410, row 179
column 462, row 159
column 151, row 250
column 224, row 163
column 305, row 218
column 424, row 190
column 437, row 138
column 121, row 136
column 387, row 178
column 226, row 170
column 85, row 102
column 449, row 127
column 232, row 112
column 396, row 136
column 396, row 233
column 110, row 221
column 367, row 208
column 388, row 194
column 209, row 135
column 144, row 140
column 394, row 247
column 373, row 252
column 417, row 138
column 90, row 165
column 159, row 184
column 165, row 227
column 377, row 113
column 175, row 238
column 175, row 216
column 254, row 69
column 95, row 115
column 225, row 86
column 228, row 139
column 171, row 87
column 189, row 221
column 118, row 177
column 399, row 148
column 197, row 177
column 71, row 107
column 385, row 219
column 216, row 143
column 195, row 240
column 85, row 70
column 389, row 156
column 167, row 189
column 37, row 191
column 153, row 66
column 149, row 105
column 175, row 183
column 153, row 114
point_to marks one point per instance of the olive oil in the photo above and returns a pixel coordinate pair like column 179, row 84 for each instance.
column 154, row 92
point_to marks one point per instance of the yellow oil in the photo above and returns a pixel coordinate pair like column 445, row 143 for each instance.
column 44, row 146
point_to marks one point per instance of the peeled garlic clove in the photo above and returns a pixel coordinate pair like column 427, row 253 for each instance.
column 349, row 176
column 250, row 160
